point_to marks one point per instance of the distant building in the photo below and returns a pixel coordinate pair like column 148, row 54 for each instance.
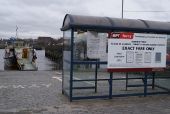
column 44, row 40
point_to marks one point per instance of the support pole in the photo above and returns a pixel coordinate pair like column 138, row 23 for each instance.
column 122, row 7
column 71, row 65
column 110, row 85
column 145, row 84
column 126, row 80
column 96, row 69
column 153, row 80
column 63, row 80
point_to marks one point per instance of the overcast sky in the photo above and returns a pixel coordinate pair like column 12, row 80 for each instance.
column 44, row 17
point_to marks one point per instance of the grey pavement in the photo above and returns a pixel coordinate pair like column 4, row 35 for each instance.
column 39, row 92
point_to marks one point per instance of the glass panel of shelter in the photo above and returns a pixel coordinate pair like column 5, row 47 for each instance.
column 66, row 61
column 164, row 80
column 87, row 67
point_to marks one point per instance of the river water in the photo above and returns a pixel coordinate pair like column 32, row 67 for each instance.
column 43, row 62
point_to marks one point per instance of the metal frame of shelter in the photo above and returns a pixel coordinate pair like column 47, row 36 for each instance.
column 73, row 23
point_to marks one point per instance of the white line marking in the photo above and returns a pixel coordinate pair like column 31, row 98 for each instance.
column 2, row 86
column 85, row 81
column 25, row 86
column 34, row 85
column 58, row 78
column 46, row 85
column 18, row 86
column 59, row 73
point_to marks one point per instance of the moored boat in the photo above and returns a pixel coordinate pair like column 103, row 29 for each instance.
column 20, row 55
column 10, row 61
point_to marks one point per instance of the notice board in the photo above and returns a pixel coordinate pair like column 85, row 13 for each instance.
column 136, row 50
column 96, row 45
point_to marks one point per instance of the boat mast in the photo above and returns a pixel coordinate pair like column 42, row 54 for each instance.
column 16, row 32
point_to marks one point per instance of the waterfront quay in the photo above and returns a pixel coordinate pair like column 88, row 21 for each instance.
column 39, row 92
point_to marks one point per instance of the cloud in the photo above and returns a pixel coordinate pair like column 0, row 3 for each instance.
column 151, row 7
column 44, row 17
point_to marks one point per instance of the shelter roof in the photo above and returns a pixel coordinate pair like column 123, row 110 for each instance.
column 114, row 24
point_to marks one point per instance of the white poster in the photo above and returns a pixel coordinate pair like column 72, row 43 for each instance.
column 96, row 45
column 136, row 50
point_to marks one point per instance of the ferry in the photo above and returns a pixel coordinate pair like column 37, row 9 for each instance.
column 19, row 55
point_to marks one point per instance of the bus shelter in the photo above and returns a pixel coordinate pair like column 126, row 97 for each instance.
column 107, row 57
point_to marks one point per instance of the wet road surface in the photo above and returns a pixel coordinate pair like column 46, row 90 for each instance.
column 39, row 92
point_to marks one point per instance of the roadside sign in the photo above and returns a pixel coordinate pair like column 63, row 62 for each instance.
column 128, row 50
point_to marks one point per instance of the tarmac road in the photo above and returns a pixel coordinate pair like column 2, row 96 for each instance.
column 39, row 92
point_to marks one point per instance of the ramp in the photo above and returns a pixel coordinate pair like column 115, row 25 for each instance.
column 26, row 65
